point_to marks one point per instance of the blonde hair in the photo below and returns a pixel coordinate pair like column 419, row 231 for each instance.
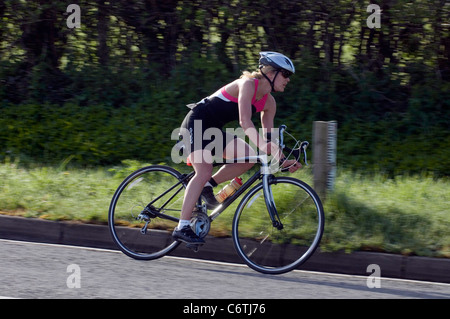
column 257, row 74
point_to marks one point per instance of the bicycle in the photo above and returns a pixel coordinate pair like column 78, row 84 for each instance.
column 276, row 227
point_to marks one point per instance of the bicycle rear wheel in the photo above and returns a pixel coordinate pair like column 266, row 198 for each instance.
column 144, row 211
column 268, row 249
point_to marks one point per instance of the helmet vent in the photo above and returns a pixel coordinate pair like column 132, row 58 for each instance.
column 288, row 62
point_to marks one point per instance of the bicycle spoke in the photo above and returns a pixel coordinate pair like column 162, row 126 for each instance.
column 144, row 211
column 271, row 250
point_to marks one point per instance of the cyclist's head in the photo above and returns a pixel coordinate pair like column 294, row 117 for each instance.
column 278, row 62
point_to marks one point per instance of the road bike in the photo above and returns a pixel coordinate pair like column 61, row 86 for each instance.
column 277, row 225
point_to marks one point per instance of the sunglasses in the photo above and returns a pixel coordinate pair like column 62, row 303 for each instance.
column 286, row 74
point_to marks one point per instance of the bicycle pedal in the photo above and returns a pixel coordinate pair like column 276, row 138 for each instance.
column 194, row 247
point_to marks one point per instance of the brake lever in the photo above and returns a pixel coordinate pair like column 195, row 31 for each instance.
column 281, row 136
column 303, row 147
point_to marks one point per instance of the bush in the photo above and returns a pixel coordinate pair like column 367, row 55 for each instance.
column 113, row 114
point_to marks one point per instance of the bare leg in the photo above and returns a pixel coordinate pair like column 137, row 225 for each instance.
column 235, row 149
column 202, row 163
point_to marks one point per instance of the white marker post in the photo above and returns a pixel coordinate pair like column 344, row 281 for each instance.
column 324, row 156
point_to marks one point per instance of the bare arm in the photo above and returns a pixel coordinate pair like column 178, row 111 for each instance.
column 246, row 90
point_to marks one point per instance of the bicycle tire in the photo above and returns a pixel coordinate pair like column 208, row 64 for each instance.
column 131, row 199
column 267, row 249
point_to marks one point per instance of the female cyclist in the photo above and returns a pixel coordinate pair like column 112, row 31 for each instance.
column 237, row 100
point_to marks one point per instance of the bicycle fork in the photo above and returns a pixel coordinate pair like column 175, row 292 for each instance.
column 268, row 198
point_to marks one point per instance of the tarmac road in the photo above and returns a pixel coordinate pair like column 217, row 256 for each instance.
column 35, row 270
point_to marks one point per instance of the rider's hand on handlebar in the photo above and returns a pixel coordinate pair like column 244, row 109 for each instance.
column 291, row 165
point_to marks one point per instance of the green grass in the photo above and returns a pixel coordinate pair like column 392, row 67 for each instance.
column 407, row 215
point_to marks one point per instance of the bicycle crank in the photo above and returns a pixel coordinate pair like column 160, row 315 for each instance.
column 200, row 223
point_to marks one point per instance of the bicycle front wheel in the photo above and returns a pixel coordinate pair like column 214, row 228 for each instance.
column 271, row 250
column 144, row 211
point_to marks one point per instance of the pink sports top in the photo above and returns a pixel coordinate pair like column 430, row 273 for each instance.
column 259, row 105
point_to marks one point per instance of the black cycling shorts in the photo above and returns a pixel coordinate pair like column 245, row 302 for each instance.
column 200, row 131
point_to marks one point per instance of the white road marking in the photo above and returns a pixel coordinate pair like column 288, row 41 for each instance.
column 221, row 263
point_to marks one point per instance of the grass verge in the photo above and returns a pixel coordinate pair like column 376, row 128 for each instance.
column 406, row 214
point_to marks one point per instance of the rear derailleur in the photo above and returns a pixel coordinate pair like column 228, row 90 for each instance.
column 146, row 216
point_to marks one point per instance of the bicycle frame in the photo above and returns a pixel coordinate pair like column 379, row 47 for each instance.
column 263, row 173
